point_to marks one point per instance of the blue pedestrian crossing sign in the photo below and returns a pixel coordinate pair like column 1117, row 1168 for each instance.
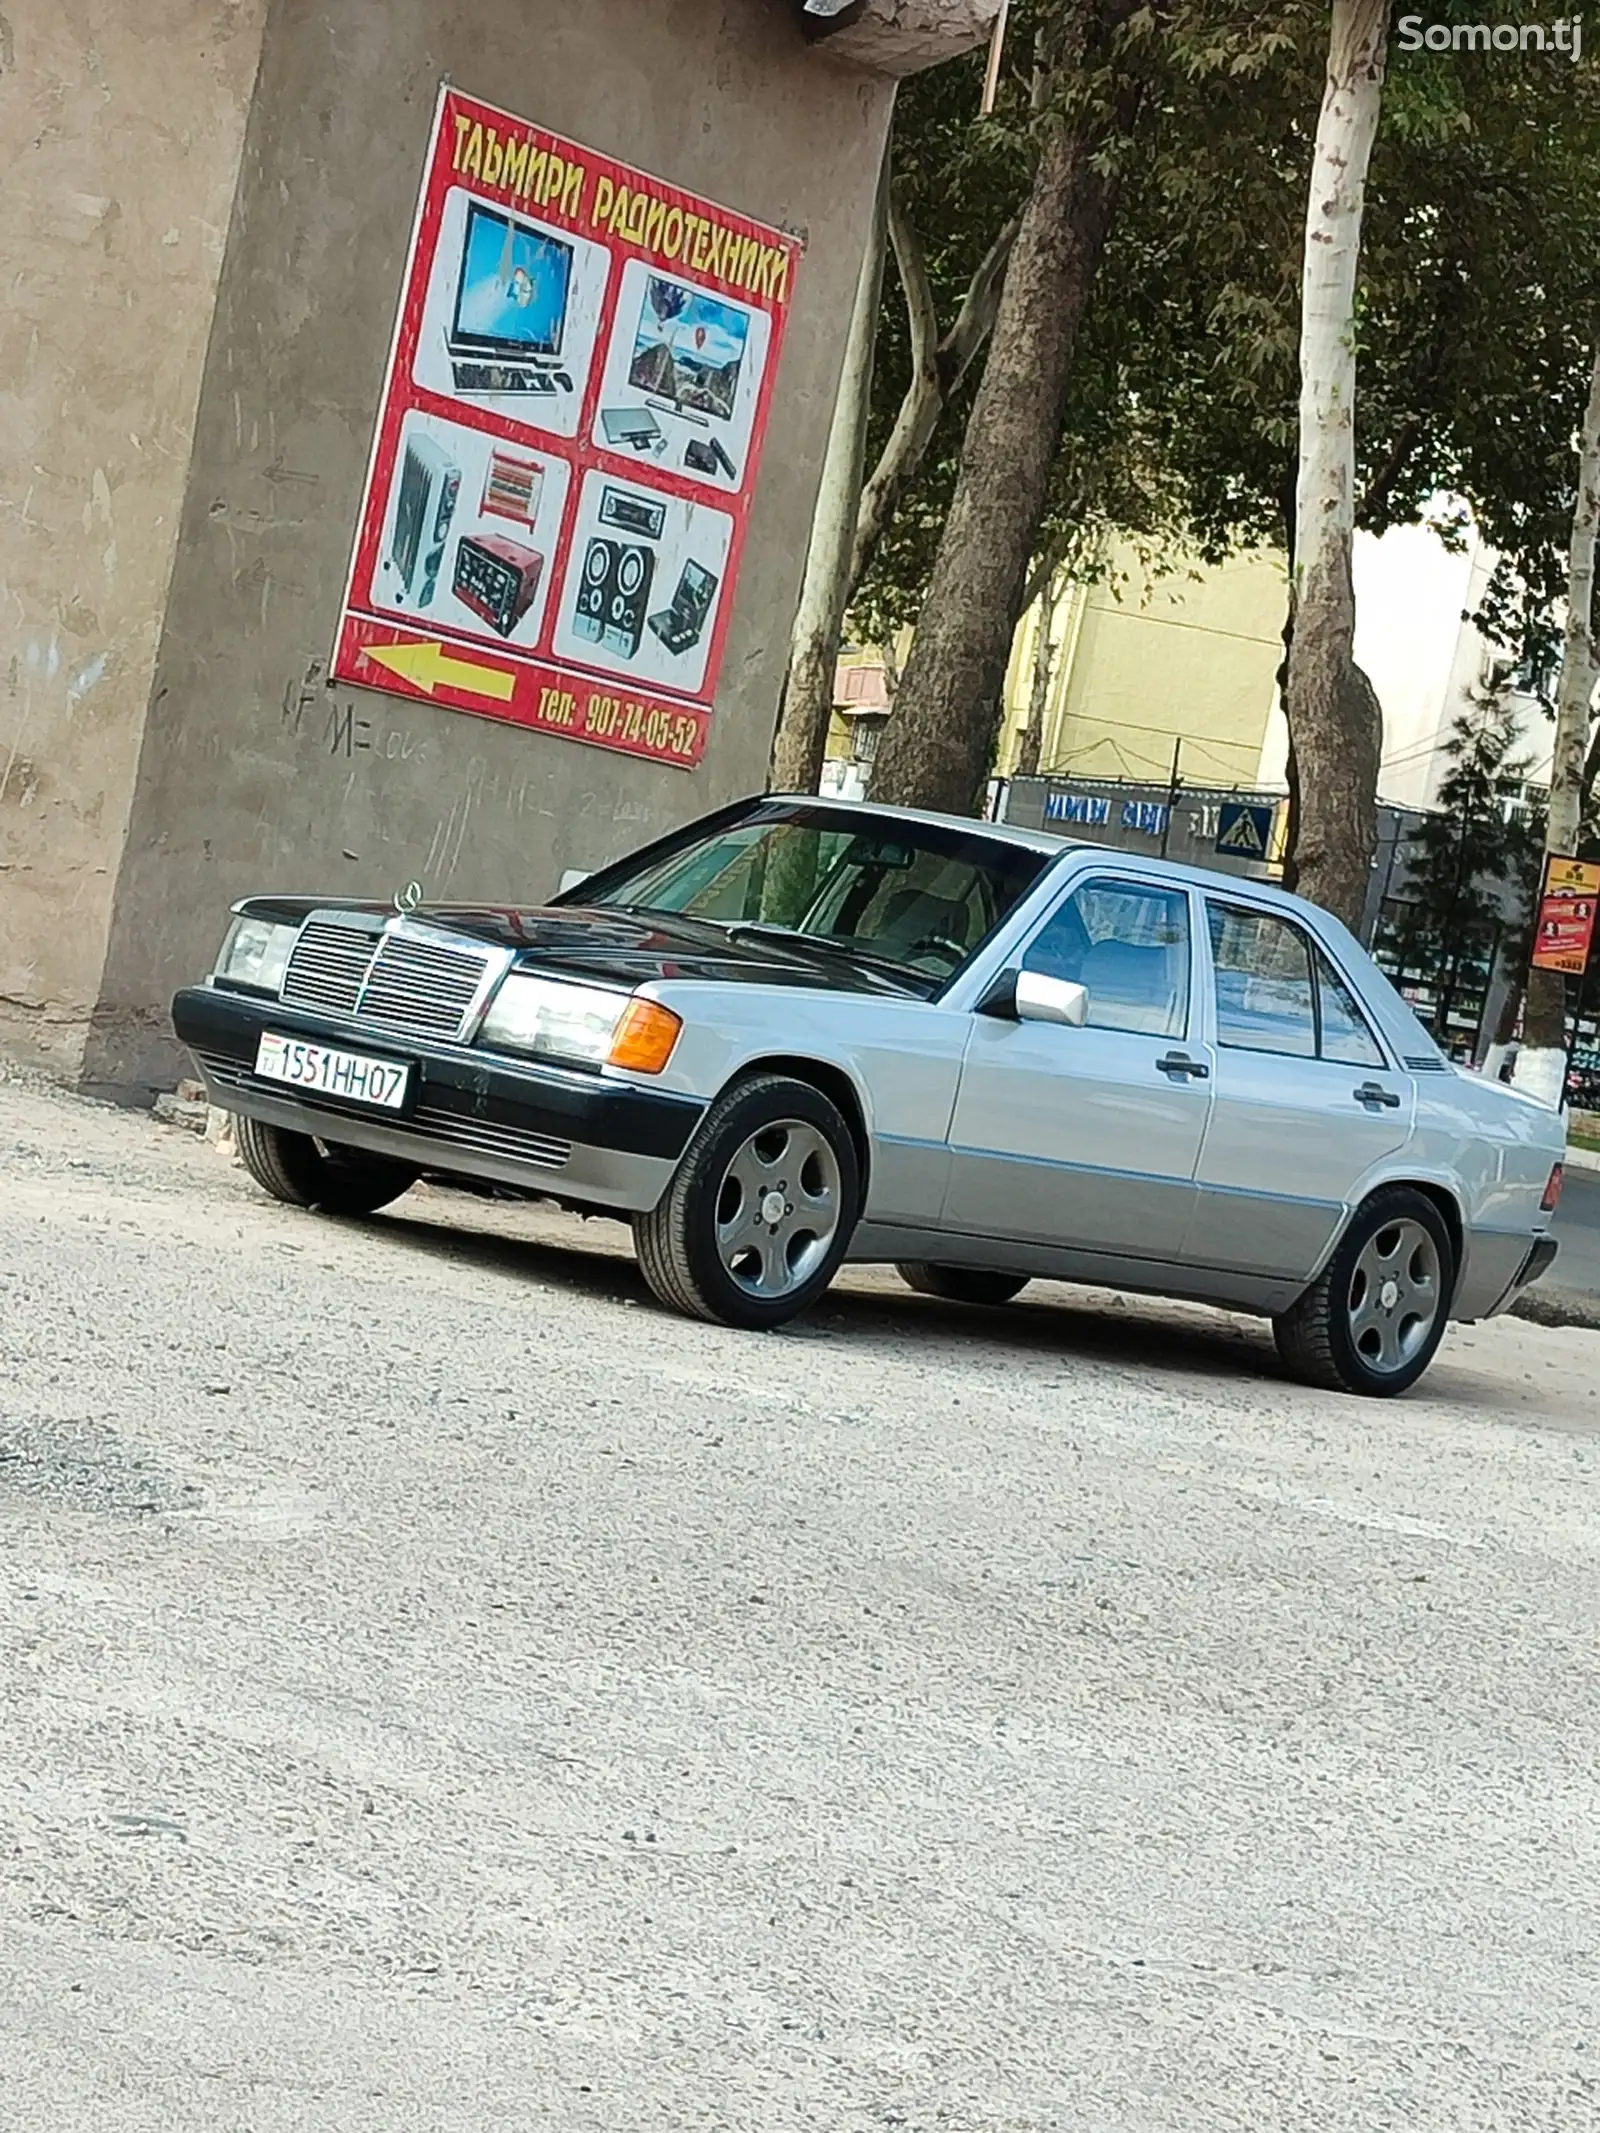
column 1244, row 832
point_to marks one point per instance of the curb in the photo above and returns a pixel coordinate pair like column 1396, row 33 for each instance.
column 1581, row 1158
column 1542, row 1306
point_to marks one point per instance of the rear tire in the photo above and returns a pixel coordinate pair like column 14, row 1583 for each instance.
column 960, row 1284
column 760, row 1211
column 1374, row 1320
column 294, row 1168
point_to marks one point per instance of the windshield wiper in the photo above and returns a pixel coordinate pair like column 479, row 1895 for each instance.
column 832, row 949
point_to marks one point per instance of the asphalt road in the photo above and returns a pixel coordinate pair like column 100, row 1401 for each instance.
column 1577, row 1225
column 440, row 1692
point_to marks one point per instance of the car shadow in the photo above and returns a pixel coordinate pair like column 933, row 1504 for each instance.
column 1052, row 1319
column 595, row 1259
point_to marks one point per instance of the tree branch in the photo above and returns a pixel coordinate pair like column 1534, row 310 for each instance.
column 975, row 320
column 921, row 315
column 937, row 369
column 1046, row 564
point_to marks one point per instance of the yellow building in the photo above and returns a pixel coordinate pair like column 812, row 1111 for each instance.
column 1144, row 662
column 1147, row 663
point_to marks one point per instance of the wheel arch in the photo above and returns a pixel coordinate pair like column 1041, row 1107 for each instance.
column 829, row 1080
column 1441, row 1196
column 1454, row 1221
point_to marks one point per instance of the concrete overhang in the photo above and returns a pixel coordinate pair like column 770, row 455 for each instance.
column 895, row 37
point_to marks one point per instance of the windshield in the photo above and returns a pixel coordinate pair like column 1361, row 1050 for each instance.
column 912, row 895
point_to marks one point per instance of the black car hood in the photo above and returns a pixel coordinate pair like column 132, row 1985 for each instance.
column 620, row 947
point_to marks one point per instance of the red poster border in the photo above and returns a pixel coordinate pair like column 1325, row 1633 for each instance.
column 531, row 686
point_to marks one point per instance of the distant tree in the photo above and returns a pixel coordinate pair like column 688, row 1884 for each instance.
column 1466, row 854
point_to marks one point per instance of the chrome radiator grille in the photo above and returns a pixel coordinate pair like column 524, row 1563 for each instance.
column 403, row 981
column 328, row 968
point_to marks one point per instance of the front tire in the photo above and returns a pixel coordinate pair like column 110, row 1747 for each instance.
column 760, row 1211
column 960, row 1284
column 302, row 1172
column 1374, row 1320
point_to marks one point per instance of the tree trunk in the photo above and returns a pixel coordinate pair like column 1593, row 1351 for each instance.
column 1335, row 723
column 800, row 744
column 936, row 749
column 1505, row 1027
column 1542, row 1062
column 1044, row 659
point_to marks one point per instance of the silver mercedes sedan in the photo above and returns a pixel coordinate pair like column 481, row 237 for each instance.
column 801, row 1032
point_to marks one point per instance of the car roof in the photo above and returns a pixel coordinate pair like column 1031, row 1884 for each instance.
column 1055, row 847
column 1029, row 840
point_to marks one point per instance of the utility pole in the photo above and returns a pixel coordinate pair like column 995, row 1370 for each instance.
column 1172, row 796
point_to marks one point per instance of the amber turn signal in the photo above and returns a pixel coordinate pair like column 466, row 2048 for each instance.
column 644, row 1037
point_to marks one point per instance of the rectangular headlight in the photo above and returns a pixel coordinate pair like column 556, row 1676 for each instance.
column 256, row 953
column 550, row 1020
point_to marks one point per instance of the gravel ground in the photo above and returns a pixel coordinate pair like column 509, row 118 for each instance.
column 441, row 1692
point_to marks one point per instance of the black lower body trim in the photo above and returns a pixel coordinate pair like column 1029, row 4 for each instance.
column 526, row 1113
column 1538, row 1262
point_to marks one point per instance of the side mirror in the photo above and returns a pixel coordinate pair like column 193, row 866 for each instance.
column 1042, row 999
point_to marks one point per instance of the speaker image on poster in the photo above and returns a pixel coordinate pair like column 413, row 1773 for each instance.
column 645, row 584
column 614, row 597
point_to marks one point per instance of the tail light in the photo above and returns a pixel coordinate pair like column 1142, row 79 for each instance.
column 1552, row 1192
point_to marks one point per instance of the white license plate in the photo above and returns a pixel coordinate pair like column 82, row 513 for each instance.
column 358, row 1079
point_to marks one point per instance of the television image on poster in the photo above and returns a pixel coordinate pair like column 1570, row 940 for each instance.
column 511, row 300
column 689, row 349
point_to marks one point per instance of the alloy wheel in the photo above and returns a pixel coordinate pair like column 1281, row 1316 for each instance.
column 778, row 1208
column 1396, row 1294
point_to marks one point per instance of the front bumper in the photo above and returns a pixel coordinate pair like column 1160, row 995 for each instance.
column 574, row 1136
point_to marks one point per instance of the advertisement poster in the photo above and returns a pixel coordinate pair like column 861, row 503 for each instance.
column 568, row 441
column 1566, row 916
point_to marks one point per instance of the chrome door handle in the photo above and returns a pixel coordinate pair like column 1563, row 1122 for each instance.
column 1178, row 1064
column 1376, row 1097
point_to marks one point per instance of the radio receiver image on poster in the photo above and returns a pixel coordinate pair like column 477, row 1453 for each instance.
column 567, row 445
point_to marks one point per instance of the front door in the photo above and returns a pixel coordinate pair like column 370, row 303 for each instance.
column 1306, row 1100
column 1087, row 1139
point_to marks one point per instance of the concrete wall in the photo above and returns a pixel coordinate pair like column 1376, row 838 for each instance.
column 253, row 773
column 120, row 133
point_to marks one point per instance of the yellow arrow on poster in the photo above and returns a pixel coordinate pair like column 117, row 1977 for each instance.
column 431, row 667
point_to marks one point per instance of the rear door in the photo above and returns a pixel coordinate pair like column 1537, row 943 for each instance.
column 1088, row 1138
column 1306, row 1103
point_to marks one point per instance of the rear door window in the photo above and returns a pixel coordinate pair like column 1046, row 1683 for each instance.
column 1278, row 992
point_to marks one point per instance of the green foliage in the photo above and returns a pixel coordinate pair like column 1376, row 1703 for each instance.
column 1481, row 234
column 1469, row 853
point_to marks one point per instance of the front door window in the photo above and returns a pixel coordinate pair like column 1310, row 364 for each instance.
column 1128, row 947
